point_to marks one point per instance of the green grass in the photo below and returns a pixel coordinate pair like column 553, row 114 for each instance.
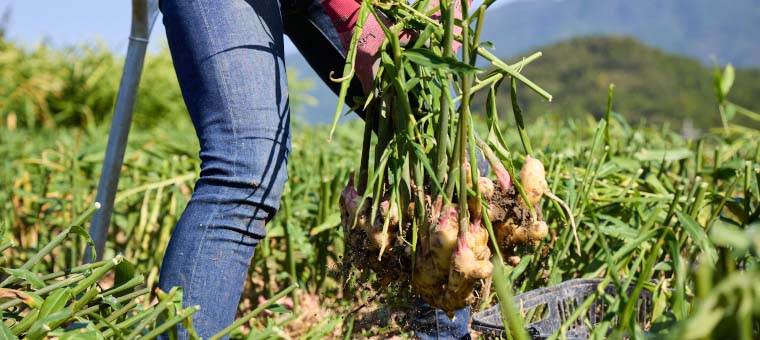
column 622, row 198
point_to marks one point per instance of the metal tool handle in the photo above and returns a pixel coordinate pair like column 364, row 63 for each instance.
column 144, row 14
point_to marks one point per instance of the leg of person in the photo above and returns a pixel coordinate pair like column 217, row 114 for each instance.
column 229, row 60
column 429, row 323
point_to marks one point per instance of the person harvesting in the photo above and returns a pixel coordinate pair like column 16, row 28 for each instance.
column 229, row 60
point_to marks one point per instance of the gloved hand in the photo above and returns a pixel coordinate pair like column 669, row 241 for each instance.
column 344, row 14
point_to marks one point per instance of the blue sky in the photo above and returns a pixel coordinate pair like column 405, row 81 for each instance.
column 67, row 22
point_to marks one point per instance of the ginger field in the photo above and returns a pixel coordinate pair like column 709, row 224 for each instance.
column 678, row 217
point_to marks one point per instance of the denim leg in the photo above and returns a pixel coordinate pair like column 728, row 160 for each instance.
column 429, row 323
column 229, row 60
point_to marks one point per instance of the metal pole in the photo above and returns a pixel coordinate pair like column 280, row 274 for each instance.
column 144, row 14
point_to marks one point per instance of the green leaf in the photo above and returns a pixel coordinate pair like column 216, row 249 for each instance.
column 421, row 156
column 626, row 163
column 123, row 272
column 668, row 155
column 737, row 210
column 406, row 174
column 83, row 333
column 521, row 267
column 619, row 231
column 729, row 110
column 510, row 316
column 112, row 302
column 663, row 266
column 81, row 231
column 702, row 323
column 698, row 235
column 424, row 36
column 727, row 79
column 660, row 304
column 27, row 276
column 5, row 332
column 728, row 235
column 656, row 185
column 330, row 222
column 428, row 58
column 278, row 309
column 55, row 302
column 26, row 322
column 42, row 326
column 487, row 44
column 388, row 65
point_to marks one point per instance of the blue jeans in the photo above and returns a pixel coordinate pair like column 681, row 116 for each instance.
column 433, row 324
column 229, row 60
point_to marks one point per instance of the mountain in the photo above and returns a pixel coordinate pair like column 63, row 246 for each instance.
column 702, row 29
column 650, row 84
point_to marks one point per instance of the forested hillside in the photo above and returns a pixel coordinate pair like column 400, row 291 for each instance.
column 650, row 84
column 703, row 29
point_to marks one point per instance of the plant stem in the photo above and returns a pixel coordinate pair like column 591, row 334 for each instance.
column 511, row 318
column 519, row 118
column 53, row 243
column 447, row 11
column 290, row 252
column 481, row 13
column 462, row 129
column 254, row 312
column 348, row 69
column 607, row 115
column 442, row 138
column 504, row 67
column 369, row 122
